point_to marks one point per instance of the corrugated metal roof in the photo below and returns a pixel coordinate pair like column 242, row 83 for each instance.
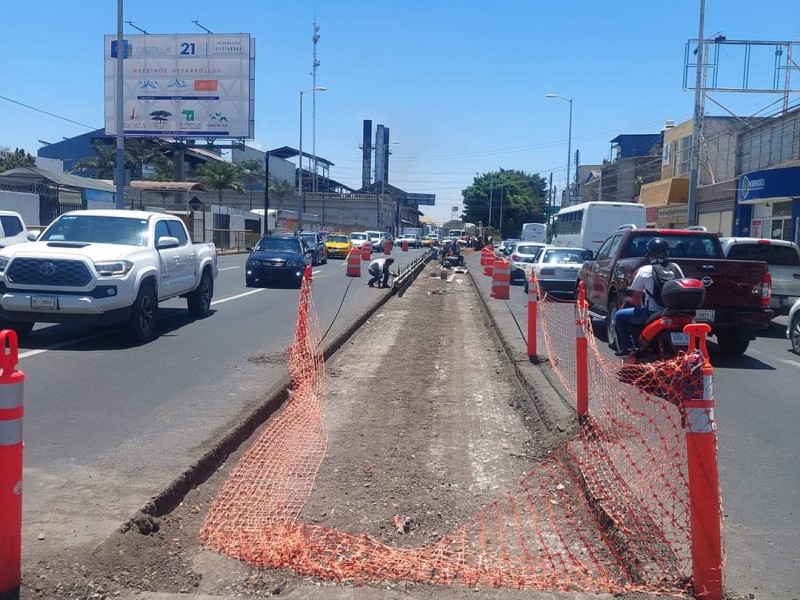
column 65, row 179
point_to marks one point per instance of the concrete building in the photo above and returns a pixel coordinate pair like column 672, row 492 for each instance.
column 767, row 189
column 637, row 161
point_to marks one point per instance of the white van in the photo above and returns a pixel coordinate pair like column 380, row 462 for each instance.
column 533, row 232
column 587, row 225
column 12, row 229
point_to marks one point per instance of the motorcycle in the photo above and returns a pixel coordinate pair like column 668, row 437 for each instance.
column 662, row 336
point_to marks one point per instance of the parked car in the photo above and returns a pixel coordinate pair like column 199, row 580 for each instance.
column 105, row 266
column 278, row 257
column 337, row 245
column 737, row 297
column 13, row 230
column 522, row 257
column 793, row 330
column 410, row 238
column 358, row 239
column 317, row 245
column 782, row 258
column 386, row 237
column 556, row 269
column 375, row 240
column 506, row 246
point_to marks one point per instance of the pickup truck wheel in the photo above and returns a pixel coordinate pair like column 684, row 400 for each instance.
column 611, row 333
column 142, row 321
column 730, row 345
column 794, row 334
column 199, row 300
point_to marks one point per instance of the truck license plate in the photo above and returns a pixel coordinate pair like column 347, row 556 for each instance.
column 704, row 314
column 44, row 302
column 679, row 339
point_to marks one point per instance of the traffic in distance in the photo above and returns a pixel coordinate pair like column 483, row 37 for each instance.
column 746, row 282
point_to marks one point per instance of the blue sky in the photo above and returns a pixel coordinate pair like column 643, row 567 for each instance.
column 461, row 85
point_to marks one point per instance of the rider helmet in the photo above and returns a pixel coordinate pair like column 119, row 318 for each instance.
column 658, row 248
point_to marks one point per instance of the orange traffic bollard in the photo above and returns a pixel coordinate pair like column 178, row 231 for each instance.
column 705, row 504
column 366, row 251
column 387, row 247
column 354, row 263
column 533, row 304
column 11, row 395
column 501, row 279
column 405, row 245
column 581, row 353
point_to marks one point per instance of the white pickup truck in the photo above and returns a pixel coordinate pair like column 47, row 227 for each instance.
column 105, row 266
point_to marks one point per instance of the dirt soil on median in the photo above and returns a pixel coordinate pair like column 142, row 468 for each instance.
column 425, row 419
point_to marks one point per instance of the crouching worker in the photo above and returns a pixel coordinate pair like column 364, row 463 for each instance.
column 379, row 269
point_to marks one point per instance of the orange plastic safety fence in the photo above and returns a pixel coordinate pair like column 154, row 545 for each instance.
column 606, row 512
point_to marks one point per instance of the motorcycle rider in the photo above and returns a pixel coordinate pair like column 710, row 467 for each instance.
column 644, row 287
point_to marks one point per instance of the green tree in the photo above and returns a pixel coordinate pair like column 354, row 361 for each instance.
column 279, row 190
column 220, row 176
column 521, row 196
column 18, row 158
column 149, row 152
column 102, row 164
column 251, row 169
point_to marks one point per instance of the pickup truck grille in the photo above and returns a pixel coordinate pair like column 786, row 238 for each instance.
column 45, row 271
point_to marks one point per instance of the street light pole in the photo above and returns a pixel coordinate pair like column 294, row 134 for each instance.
column 300, row 194
column 569, row 142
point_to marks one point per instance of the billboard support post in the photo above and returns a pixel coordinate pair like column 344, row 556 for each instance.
column 120, row 135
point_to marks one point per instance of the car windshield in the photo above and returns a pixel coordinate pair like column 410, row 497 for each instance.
column 358, row 236
column 563, row 256
column 279, row 244
column 310, row 238
column 338, row 239
column 98, row 229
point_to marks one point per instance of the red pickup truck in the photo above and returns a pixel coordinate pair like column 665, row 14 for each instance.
column 737, row 291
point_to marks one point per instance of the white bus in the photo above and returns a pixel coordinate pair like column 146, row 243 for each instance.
column 533, row 232
column 587, row 225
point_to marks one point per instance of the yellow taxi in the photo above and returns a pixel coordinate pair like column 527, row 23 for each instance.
column 338, row 245
column 427, row 241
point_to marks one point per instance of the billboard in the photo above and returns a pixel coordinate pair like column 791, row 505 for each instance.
column 182, row 85
column 422, row 199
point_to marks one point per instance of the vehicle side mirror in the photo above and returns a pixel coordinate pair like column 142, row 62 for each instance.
column 33, row 235
column 167, row 241
column 248, row 249
column 587, row 255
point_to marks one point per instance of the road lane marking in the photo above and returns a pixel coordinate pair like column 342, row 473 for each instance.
column 250, row 293
column 229, row 268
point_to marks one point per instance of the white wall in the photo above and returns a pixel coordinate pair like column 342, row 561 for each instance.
column 26, row 205
column 50, row 164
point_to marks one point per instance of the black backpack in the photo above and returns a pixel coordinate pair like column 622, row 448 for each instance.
column 663, row 273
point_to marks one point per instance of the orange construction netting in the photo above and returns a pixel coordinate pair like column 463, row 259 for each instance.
column 606, row 512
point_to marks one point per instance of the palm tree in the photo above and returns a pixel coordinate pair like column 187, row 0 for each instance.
column 220, row 176
column 251, row 168
column 150, row 152
column 102, row 164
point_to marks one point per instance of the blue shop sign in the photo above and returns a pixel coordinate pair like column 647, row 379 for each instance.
column 98, row 196
column 768, row 183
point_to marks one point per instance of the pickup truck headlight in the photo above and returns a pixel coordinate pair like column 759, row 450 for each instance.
column 116, row 267
column 3, row 263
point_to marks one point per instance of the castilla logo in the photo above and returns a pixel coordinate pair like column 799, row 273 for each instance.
column 48, row 269
column 745, row 187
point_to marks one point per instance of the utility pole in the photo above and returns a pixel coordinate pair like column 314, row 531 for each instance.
column 502, row 190
column 491, row 195
column 697, row 125
column 120, row 120
column 315, row 64
column 266, row 194
column 550, row 206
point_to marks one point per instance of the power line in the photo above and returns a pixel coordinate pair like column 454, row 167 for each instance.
column 46, row 112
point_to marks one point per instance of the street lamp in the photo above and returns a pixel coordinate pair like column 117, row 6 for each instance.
column 569, row 139
column 300, row 196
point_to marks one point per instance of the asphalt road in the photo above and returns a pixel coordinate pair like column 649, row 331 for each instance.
column 758, row 415
column 108, row 425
